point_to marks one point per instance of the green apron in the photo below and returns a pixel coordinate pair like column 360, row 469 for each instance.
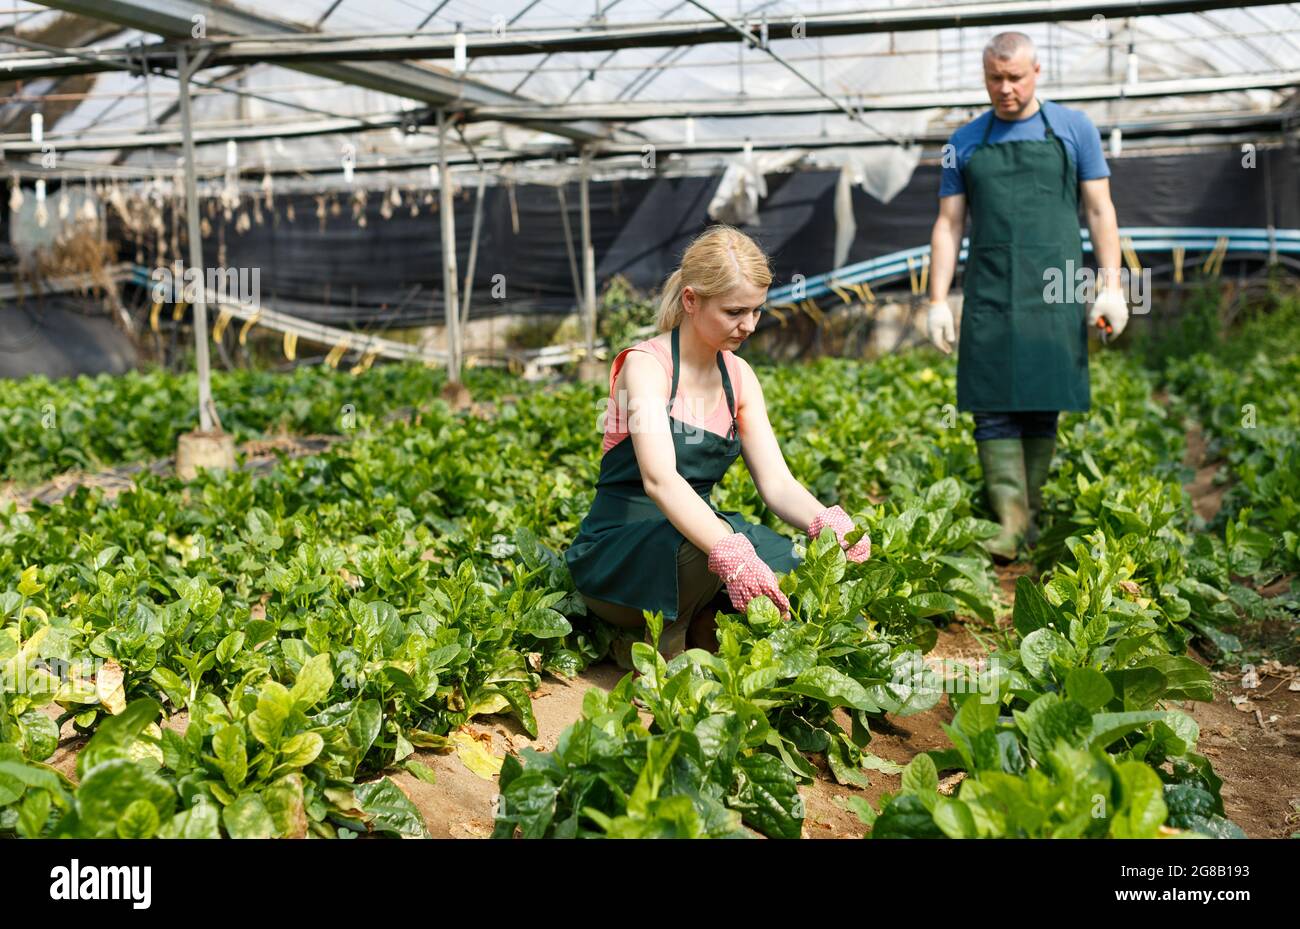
column 1017, row 351
column 626, row 549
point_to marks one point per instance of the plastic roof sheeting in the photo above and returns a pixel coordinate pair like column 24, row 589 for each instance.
column 1228, row 41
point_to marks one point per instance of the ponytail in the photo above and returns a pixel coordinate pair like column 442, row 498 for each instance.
column 670, row 304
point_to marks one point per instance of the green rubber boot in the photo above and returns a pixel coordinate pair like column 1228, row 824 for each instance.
column 1038, row 461
column 1003, row 461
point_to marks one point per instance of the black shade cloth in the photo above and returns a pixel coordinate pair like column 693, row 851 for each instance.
column 390, row 272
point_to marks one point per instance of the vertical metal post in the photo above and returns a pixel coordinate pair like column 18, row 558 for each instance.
column 588, row 255
column 472, row 264
column 450, row 301
column 208, row 419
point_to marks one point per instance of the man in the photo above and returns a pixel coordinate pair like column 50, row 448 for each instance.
column 1023, row 354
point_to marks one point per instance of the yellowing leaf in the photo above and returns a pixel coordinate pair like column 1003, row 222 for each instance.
column 109, row 689
column 474, row 756
column 29, row 585
column 492, row 703
column 142, row 750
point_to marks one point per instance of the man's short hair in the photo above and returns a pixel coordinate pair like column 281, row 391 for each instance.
column 1006, row 45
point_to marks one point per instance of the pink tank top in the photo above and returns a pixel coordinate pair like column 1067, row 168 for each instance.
column 717, row 422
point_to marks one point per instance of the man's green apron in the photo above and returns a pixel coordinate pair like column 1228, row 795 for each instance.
column 1017, row 350
column 626, row 549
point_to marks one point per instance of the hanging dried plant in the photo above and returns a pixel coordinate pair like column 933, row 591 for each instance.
column 15, row 194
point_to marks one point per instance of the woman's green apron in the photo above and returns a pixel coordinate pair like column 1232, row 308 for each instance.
column 1018, row 351
column 626, row 549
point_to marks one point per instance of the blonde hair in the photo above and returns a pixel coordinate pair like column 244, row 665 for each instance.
column 718, row 260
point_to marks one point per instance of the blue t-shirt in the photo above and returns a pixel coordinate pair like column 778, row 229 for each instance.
column 1082, row 141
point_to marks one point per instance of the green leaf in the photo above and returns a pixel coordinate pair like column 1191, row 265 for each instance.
column 906, row 817
column 1031, row 610
column 931, row 604
column 1137, row 688
column 232, row 754
column 921, row 778
column 1184, row 678
column 768, row 798
column 248, row 818
column 762, row 615
column 111, row 787
column 544, row 624
column 228, row 647
column 943, row 495
column 1088, row 687
column 116, row 734
column 33, row 814
column 301, row 750
column 314, row 682
column 138, row 821
column 832, row 687
column 389, row 809
column 201, row 821
column 266, row 722
column 954, row 818
column 1142, row 810
column 1037, row 648
column 1107, row 728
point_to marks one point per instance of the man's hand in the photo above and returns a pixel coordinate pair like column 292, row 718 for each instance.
column 1109, row 313
column 940, row 326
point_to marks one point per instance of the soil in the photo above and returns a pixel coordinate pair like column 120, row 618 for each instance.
column 1207, row 496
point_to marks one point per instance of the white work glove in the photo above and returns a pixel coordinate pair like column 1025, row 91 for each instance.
column 1109, row 313
column 940, row 326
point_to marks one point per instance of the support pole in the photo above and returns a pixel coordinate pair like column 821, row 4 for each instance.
column 208, row 419
column 472, row 263
column 590, row 370
column 454, row 392
column 449, row 284
column 209, row 446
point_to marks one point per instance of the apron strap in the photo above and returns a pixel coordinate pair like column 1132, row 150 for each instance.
column 677, row 359
column 731, row 399
column 1048, row 132
column 1065, row 154
column 1046, row 125
column 726, row 382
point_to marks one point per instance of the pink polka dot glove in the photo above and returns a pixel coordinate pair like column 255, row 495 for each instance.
column 746, row 575
column 841, row 524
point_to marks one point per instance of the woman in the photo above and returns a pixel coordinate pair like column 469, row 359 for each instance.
column 683, row 406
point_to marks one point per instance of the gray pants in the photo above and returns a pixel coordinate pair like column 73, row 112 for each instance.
column 696, row 587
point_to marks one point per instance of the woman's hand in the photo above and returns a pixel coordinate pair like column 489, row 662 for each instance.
column 841, row 524
column 746, row 575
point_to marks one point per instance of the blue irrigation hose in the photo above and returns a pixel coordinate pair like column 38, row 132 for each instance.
column 1143, row 238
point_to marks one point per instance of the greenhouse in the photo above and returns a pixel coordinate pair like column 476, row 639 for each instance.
column 370, row 372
